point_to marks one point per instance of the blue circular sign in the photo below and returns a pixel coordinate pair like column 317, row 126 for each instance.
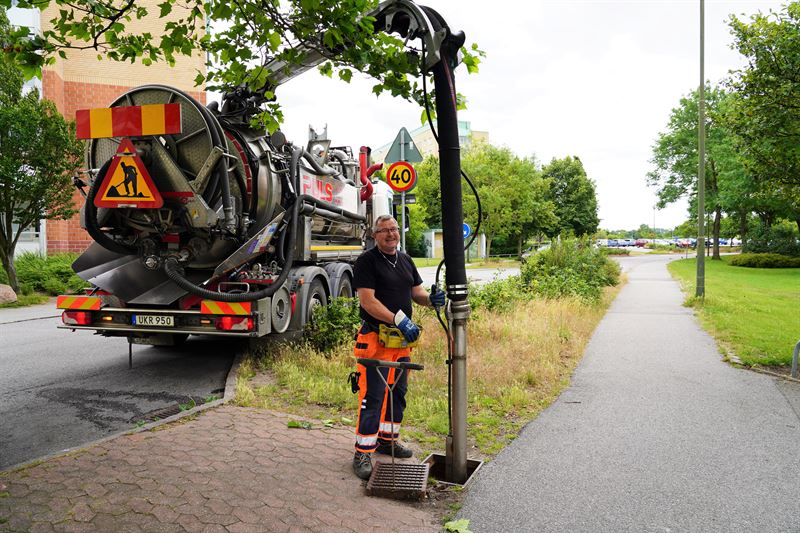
column 467, row 230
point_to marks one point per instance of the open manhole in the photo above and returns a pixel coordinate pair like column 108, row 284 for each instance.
column 401, row 481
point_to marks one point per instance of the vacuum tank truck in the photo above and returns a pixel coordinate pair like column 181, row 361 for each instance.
column 204, row 225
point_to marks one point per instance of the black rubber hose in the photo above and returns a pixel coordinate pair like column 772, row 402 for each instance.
column 93, row 227
column 317, row 168
column 220, row 170
column 171, row 269
column 293, row 176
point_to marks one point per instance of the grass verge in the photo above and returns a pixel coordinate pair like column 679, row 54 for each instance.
column 752, row 312
column 24, row 300
column 518, row 361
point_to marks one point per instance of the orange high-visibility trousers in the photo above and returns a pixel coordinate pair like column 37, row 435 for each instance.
column 374, row 414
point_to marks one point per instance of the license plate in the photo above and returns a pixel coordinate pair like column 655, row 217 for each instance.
column 166, row 321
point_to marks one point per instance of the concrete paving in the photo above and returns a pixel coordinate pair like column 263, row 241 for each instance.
column 656, row 433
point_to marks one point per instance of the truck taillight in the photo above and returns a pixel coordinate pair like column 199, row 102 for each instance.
column 76, row 318
column 235, row 323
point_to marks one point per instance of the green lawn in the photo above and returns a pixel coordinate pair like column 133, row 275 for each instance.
column 753, row 311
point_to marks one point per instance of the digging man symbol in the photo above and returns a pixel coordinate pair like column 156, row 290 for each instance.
column 130, row 178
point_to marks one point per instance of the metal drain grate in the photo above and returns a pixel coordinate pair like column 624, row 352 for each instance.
column 158, row 414
column 401, row 481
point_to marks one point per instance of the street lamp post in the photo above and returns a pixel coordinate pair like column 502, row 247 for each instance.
column 700, row 290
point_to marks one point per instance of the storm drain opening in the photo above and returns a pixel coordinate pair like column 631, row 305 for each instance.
column 400, row 481
column 158, row 414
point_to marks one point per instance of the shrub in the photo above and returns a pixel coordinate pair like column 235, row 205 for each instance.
column 765, row 261
column 778, row 239
column 570, row 267
column 52, row 274
column 498, row 294
column 333, row 324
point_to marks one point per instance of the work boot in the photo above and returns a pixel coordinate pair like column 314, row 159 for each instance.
column 400, row 451
column 362, row 465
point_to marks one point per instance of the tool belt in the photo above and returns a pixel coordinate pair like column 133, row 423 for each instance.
column 391, row 337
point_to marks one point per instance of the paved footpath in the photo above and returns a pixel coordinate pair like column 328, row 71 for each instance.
column 656, row 433
column 230, row 470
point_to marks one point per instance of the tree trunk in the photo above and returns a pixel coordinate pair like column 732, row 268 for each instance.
column 715, row 229
column 488, row 247
column 743, row 224
column 7, row 258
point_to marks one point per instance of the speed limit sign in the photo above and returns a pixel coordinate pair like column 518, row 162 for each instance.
column 401, row 176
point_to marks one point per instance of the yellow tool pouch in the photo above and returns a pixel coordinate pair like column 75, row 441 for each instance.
column 391, row 337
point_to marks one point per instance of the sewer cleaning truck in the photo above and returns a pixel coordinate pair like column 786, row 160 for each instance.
column 204, row 224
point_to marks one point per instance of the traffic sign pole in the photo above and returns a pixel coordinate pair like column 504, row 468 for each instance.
column 403, row 194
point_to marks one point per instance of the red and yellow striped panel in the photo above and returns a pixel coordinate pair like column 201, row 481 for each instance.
column 212, row 307
column 85, row 303
column 128, row 121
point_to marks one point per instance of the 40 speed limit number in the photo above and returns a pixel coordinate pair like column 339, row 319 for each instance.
column 401, row 176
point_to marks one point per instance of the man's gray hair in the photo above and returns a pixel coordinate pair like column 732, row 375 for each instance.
column 382, row 218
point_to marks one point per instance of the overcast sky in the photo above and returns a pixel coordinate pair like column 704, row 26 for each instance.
column 594, row 79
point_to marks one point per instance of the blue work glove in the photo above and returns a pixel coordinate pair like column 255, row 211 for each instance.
column 436, row 296
column 409, row 330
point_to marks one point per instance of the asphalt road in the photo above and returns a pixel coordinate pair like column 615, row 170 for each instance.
column 474, row 275
column 656, row 433
column 60, row 389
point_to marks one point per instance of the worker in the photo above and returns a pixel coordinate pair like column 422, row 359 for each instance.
column 387, row 281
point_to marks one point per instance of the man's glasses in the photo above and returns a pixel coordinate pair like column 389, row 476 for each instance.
column 388, row 230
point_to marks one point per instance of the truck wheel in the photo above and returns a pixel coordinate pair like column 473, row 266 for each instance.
column 316, row 297
column 345, row 287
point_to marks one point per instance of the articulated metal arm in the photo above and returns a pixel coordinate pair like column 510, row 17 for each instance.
column 392, row 16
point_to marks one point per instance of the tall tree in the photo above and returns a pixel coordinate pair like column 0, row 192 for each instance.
column 511, row 190
column 765, row 116
column 675, row 157
column 573, row 195
column 38, row 149
column 241, row 38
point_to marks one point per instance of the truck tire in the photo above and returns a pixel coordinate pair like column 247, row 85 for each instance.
column 345, row 287
column 316, row 296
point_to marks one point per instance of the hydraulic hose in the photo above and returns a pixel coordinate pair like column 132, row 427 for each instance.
column 93, row 227
column 171, row 269
column 316, row 166
column 363, row 156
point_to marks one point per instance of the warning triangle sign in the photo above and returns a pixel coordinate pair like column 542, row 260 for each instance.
column 127, row 183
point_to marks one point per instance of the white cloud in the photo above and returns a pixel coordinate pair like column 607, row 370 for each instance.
column 596, row 79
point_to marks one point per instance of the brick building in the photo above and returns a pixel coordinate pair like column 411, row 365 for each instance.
column 82, row 81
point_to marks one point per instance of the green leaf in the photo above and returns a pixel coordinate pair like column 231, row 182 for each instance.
column 328, row 423
column 299, row 424
column 346, row 75
column 458, row 526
